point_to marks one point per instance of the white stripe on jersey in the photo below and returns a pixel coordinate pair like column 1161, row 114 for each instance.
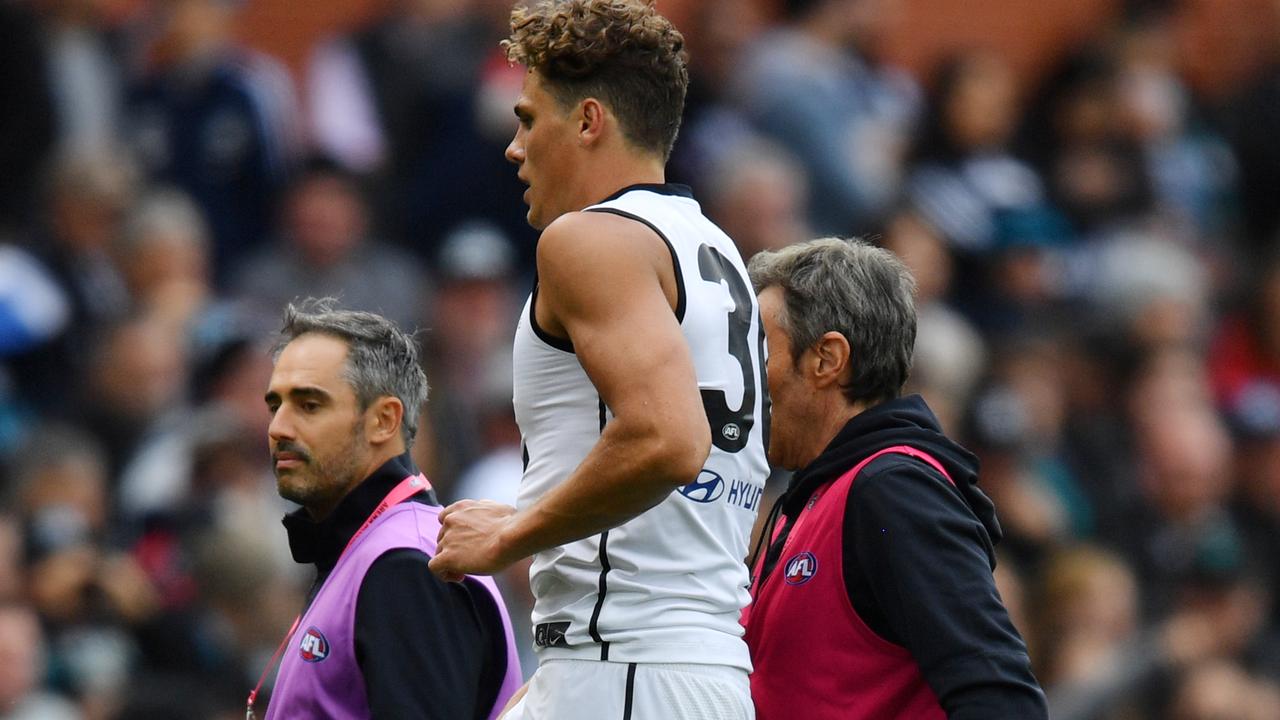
column 669, row 585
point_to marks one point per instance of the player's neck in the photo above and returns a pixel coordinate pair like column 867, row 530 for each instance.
column 628, row 170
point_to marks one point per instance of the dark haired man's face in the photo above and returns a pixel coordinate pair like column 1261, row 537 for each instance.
column 544, row 150
column 325, row 219
column 317, row 432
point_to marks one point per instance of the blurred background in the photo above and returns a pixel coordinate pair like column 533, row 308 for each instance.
column 1088, row 192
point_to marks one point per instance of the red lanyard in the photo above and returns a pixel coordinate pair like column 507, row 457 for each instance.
column 407, row 488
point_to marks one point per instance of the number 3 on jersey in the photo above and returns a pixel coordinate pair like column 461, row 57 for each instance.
column 730, row 427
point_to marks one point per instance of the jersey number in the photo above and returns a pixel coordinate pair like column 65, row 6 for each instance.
column 730, row 428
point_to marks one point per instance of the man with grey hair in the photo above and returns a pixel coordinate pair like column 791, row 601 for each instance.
column 882, row 533
column 381, row 636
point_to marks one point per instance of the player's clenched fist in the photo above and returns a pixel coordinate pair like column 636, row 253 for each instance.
column 471, row 540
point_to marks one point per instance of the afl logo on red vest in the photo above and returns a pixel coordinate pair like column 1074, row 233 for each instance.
column 314, row 647
column 801, row 568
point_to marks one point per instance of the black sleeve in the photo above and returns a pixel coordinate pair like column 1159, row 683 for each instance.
column 425, row 646
column 921, row 576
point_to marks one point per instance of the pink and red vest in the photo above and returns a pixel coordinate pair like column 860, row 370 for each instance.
column 319, row 676
column 814, row 657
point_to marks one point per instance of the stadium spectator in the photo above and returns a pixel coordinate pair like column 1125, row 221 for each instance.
column 86, row 197
column 21, row 665
column 469, row 333
column 216, row 120
column 756, row 193
column 817, row 87
column 326, row 248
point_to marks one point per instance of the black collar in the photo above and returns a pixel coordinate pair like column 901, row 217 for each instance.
column 660, row 188
column 323, row 542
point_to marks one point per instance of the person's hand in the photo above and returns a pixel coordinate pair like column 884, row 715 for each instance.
column 127, row 587
column 470, row 540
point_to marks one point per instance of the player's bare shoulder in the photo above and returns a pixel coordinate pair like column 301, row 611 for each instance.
column 608, row 247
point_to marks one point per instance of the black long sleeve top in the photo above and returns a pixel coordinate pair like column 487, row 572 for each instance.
column 930, row 588
column 426, row 648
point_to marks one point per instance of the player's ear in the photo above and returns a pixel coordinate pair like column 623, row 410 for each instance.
column 591, row 121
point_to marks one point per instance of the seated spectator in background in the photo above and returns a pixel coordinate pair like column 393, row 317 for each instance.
column 345, row 398
column 1192, row 171
column 1177, row 518
column 814, row 85
column 86, row 197
column 419, row 101
column 22, row 664
column 965, row 178
column 949, row 355
column 90, row 595
column 713, row 124
column 325, row 249
column 163, row 255
column 1075, row 134
column 1094, row 653
column 216, row 120
column 756, row 193
column 368, row 93
column 883, row 532
column 1220, row 689
column 1149, row 289
column 469, row 329
column 138, row 382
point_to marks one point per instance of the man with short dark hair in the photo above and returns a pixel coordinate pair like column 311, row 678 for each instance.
column 874, row 598
column 638, row 389
column 380, row 636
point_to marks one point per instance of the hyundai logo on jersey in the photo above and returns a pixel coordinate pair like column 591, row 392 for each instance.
column 314, row 647
column 707, row 488
column 801, row 568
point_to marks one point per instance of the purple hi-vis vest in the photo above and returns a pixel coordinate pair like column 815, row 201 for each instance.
column 319, row 677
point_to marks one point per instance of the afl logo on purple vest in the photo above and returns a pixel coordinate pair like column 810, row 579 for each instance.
column 707, row 488
column 313, row 647
column 800, row 568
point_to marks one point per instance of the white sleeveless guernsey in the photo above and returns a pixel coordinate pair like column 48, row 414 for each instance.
column 668, row 586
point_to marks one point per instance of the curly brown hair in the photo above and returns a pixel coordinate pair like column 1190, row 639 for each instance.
column 621, row 52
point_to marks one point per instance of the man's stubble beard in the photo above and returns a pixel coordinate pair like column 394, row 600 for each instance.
column 317, row 483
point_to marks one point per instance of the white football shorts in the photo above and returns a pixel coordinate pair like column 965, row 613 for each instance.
column 593, row 690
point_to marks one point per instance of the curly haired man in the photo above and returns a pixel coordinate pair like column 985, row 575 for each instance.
column 639, row 389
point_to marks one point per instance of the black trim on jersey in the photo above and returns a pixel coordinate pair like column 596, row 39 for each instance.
column 593, row 626
column 675, row 260
column 603, row 418
column 660, row 188
column 631, row 689
column 562, row 344
column 524, row 456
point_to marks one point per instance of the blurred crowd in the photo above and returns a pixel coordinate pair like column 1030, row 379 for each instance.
column 1099, row 298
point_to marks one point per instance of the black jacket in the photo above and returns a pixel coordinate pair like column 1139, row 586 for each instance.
column 426, row 648
column 931, row 589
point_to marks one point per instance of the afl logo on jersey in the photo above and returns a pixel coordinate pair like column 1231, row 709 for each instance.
column 314, row 647
column 731, row 431
column 801, row 568
column 707, row 488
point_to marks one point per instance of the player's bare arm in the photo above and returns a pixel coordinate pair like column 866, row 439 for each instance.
column 606, row 283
